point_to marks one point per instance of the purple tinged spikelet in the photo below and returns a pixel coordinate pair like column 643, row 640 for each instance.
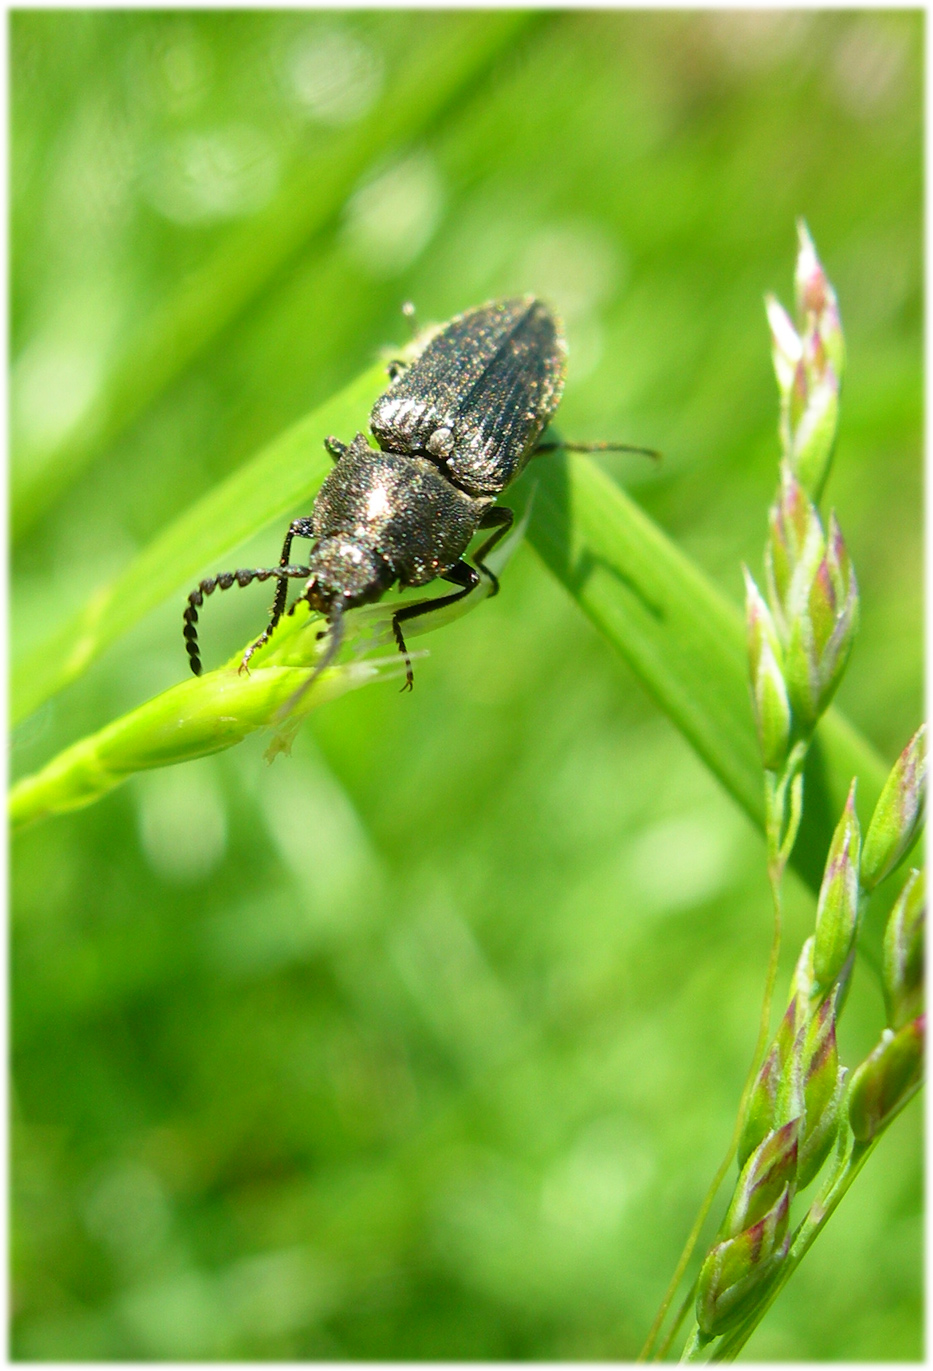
column 786, row 346
column 898, row 813
column 809, row 360
column 793, row 552
column 802, row 983
column 885, row 1077
column 810, row 283
column 766, row 677
column 762, row 1106
column 814, row 599
column 837, row 907
column 823, row 624
column 903, row 952
column 770, row 1168
column 834, row 607
column 823, row 1079
column 735, row 1270
column 817, row 305
column 815, row 428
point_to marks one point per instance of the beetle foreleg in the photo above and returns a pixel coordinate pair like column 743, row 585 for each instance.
column 299, row 528
column 460, row 574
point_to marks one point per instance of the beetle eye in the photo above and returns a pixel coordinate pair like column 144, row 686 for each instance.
column 441, row 443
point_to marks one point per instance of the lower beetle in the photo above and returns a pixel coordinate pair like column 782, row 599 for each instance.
column 454, row 429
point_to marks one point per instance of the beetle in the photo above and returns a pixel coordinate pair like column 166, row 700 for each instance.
column 454, row 429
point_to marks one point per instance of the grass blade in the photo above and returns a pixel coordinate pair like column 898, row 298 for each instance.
column 453, row 56
column 269, row 486
column 686, row 643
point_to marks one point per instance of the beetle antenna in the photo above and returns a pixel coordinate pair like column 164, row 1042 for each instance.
column 224, row 581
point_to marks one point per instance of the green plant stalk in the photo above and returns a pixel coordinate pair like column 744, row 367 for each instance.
column 449, row 62
column 193, row 719
column 679, row 1317
column 692, row 1239
column 780, row 833
column 849, row 1158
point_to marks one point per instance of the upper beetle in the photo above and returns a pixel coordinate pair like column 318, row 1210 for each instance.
column 454, row 429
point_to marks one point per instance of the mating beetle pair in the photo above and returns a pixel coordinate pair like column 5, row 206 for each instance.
column 454, row 429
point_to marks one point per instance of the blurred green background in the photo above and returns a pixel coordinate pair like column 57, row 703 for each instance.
column 425, row 1042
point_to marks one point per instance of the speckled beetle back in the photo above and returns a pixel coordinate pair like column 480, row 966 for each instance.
column 478, row 398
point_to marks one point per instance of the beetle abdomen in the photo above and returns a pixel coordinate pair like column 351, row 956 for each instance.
column 480, row 395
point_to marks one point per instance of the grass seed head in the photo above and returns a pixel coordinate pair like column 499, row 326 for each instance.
column 898, row 813
column 735, row 1271
column 885, row 1078
column 837, row 907
column 903, row 952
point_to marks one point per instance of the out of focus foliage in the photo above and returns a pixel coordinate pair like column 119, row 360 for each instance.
column 424, row 1042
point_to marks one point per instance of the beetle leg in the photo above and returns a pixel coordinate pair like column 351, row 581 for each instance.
column 499, row 518
column 554, row 445
column 300, row 528
column 334, row 447
column 224, row 581
column 460, row 574
column 396, row 367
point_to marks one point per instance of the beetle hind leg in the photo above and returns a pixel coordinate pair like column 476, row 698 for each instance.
column 557, row 445
column 500, row 519
column 460, row 574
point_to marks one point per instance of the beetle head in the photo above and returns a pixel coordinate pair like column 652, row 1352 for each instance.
column 344, row 573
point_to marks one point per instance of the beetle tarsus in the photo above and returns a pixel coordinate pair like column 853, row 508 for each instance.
column 400, row 640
